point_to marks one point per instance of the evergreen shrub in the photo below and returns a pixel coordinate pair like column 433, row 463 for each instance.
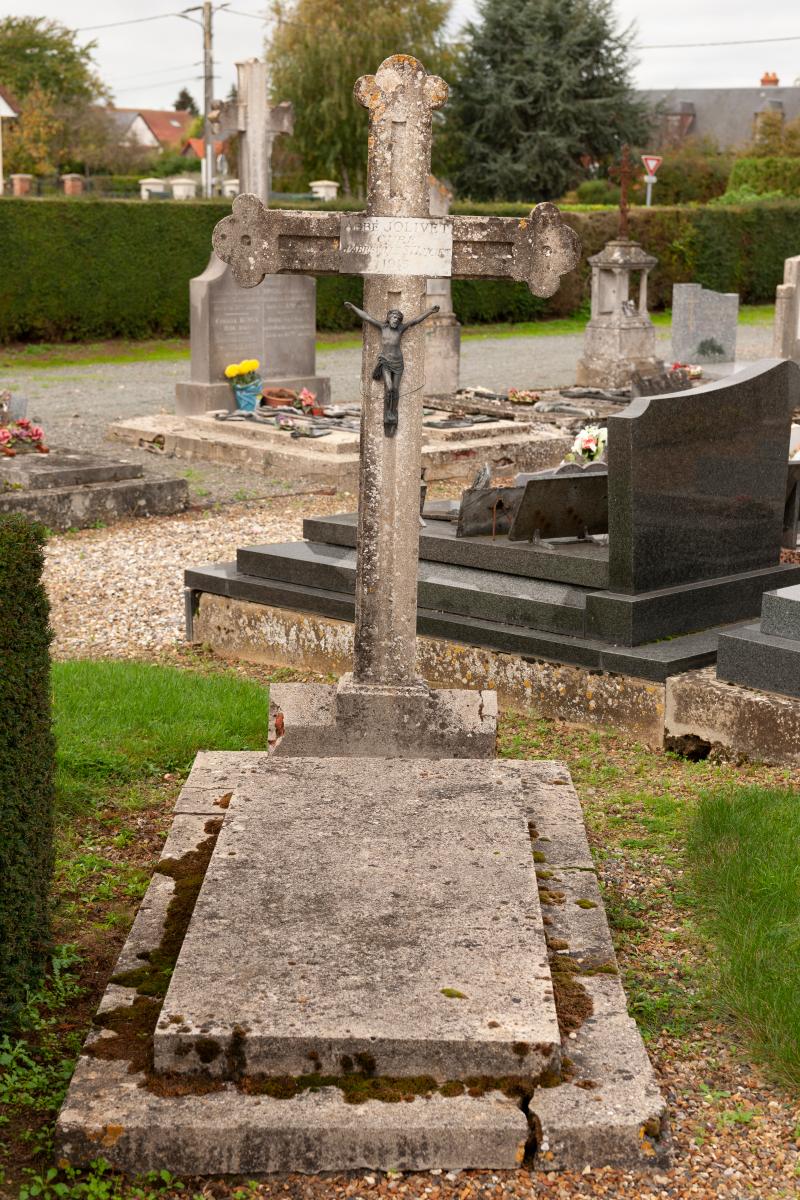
column 27, row 764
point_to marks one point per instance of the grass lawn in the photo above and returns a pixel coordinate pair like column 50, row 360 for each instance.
column 121, row 350
column 698, row 864
column 744, row 849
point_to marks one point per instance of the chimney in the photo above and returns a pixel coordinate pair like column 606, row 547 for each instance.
column 769, row 79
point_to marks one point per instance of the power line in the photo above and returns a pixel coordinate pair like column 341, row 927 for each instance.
column 256, row 16
column 136, row 87
column 698, row 45
column 132, row 21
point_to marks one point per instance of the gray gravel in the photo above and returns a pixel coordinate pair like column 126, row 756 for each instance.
column 75, row 404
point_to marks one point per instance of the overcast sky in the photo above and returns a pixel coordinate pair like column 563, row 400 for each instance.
column 146, row 64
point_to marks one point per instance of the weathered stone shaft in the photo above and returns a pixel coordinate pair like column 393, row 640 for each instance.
column 400, row 99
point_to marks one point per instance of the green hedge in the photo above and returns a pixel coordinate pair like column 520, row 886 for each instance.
column 766, row 175
column 118, row 268
column 27, row 758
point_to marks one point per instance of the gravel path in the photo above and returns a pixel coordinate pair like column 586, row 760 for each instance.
column 118, row 592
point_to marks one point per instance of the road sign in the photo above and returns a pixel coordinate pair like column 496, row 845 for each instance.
column 652, row 162
column 650, row 179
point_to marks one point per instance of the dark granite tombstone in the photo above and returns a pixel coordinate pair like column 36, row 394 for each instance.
column 765, row 656
column 791, row 512
column 697, row 480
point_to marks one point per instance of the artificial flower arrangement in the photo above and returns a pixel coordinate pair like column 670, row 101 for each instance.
column 589, row 445
column 521, row 396
column 246, row 383
column 22, row 437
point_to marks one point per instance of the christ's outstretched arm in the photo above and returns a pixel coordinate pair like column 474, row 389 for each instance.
column 420, row 318
column 364, row 316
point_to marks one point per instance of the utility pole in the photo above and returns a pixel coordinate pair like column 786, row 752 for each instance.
column 208, row 88
column 206, row 24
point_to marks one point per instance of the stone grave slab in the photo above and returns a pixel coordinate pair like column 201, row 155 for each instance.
column 69, row 490
column 116, row 1106
column 704, row 324
column 446, row 453
column 355, row 911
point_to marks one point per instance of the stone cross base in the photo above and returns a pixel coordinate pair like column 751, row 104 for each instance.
column 356, row 721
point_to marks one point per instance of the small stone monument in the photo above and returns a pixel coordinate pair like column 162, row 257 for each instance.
column 276, row 322
column 442, row 331
column 620, row 337
column 786, row 331
column 703, row 324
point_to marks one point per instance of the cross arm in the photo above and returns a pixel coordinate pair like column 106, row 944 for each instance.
column 256, row 241
column 536, row 250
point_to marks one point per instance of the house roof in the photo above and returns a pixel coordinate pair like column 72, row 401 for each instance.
column 196, row 147
column 725, row 115
column 168, row 127
column 9, row 107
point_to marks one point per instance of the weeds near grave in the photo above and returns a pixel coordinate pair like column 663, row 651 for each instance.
column 743, row 850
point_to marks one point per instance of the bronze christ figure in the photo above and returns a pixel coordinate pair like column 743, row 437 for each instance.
column 389, row 366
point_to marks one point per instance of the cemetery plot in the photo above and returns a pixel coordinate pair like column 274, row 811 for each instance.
column 65, row 490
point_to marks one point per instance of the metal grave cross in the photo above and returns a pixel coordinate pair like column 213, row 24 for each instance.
column 396, row 245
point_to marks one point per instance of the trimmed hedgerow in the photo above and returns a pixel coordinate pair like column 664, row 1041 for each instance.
column 770, row 174
column 27, row 763
column 116, row 268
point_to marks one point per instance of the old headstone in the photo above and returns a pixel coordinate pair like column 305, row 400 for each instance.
column 275, row 322
column 786, row 330
column 385, row 707
column 703, row 324
column 442, row 331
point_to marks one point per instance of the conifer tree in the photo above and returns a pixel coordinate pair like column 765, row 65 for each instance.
column 543, row 87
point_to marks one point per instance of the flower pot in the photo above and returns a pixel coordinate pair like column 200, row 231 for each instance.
column 248, row 395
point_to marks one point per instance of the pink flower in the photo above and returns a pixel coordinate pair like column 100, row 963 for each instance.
column 37, row 433
column 5, row 436
column 24, row 422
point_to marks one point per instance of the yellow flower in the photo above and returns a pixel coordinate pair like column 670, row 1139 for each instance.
column 250, row 364
column 231, row 371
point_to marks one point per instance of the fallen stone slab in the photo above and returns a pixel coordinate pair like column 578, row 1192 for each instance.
column 607, row 1109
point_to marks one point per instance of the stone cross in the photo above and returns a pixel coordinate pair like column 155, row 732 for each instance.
column 396, row 245
column 257, row 123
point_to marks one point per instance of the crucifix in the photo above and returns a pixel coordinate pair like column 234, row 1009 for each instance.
column 624, row 174
column 396, row 246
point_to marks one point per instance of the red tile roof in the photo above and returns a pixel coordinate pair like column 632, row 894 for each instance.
column 196, row 146
column 170, row 128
